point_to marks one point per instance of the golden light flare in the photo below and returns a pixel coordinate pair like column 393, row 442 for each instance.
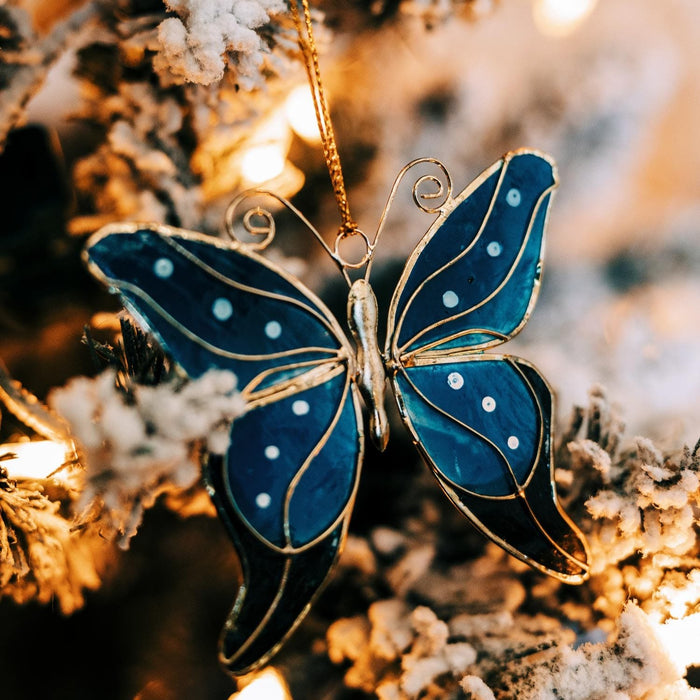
column 267, row 685
column 301, row 114
column 40, row 459
column 263, row 162
column 265, row 156
column 559, row 18
column 266, row 151
column 681, row 640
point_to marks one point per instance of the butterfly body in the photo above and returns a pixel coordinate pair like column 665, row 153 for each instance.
column 370, row 374
column 480, row 420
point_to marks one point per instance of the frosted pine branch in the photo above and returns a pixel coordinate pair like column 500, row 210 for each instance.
column 135, row 450
column 205, row 37
column 41, row 557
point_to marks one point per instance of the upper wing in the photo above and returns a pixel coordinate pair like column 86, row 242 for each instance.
column 473, row 278
column 482, row 423
column 214, row 305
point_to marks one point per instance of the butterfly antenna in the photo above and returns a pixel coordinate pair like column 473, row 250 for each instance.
column 430, row 193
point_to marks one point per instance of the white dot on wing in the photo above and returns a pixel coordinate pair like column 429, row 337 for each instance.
column 273, row 329
column 488, row 403
column 222, row 309
column 163, row 268
column 300, row 407
column 450, row 299
column 455, row 380
column 494, row 249
column 263, row 500
column 272, row 452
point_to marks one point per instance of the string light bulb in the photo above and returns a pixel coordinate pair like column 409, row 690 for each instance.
column 300, row 112
column 266, row 154
column 559, row 18
column 33, row 460
column 268, row 685
column 263, row 162
column 265, row 158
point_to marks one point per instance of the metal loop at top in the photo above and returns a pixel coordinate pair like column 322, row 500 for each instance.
column 344, row 233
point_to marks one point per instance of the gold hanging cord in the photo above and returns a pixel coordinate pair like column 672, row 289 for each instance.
column 323, row 117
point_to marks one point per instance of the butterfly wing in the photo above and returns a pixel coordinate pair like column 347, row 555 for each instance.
column 482, row 421
column 473, row 278
column 285, row 489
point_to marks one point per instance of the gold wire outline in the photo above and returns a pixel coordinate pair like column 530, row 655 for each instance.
column 494, row 293
column 447, row 208
column 244, row 287
column 343, row 520
column 259, row 396
column 320, row 312
column 515, row 363
column 397, row 362
column 240, row 598
column 443, row 193
column 417, row 197
column 291, row 489
column 268, row 614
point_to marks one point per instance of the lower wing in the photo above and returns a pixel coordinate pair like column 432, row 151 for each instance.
column 285, row 492
column 482, row 423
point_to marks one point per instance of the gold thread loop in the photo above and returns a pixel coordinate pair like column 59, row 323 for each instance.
column 344, row 262
column 309, row 51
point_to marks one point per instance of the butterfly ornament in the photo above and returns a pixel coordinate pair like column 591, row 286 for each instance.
column 481, row 421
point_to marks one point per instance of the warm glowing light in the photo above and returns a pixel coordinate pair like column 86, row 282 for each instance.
column 268, row 685
column 265, row 153
column 681, row 638
column 33, row 460
column 561, row 17
column 299, row 108
column 106, row 320
column 262, row 163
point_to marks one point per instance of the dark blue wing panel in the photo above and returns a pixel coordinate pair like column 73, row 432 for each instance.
column 483, row 425
column 476, row 419
column 328, row 483
column 272, row 443
column 277, row 588
column 212, row 306
column 482, row 422
column 449, row 241
column 261, row 277
column 475, row 277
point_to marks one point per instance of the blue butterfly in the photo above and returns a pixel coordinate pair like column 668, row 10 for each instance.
column 481, row 421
